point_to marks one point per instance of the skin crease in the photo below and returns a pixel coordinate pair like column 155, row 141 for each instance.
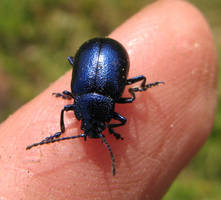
column 167, row 41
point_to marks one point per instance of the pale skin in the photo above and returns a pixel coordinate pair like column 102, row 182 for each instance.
column 167, row 41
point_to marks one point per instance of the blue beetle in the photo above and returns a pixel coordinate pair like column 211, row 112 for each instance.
column 100, row 69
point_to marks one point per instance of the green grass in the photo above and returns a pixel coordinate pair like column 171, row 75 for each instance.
column 36, row 36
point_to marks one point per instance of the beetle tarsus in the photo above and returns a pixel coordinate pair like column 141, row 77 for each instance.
column 122, row 120
column 65, row 94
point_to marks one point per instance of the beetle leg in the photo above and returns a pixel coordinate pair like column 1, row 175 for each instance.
column 51, row 138
column 122, row 120
column 62, row 126
column 143, row 87
column 65, row 94
column 66, row 108
column 71, row 60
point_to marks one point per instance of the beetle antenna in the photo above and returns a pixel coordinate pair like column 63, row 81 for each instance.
column 111, row 153
column 46, row 141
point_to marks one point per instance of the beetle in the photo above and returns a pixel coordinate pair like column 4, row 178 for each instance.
column 100, row 69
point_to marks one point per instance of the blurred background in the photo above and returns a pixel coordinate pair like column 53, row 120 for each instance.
column 37, row 36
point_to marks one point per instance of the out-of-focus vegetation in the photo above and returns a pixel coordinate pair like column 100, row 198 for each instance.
column 37, row 36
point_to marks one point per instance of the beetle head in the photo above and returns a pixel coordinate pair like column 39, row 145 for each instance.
column 93, row 128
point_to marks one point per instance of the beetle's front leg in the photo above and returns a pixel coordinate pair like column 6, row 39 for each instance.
column 51, row 138
column 62, row 126
column 122, row 120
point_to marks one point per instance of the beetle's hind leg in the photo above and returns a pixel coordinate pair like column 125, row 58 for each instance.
column 71, row 60
column 65, row 94
column 51, row 138
column 122, row 120
column 143, row 87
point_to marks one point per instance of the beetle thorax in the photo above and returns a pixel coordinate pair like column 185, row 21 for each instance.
column 94, row 110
